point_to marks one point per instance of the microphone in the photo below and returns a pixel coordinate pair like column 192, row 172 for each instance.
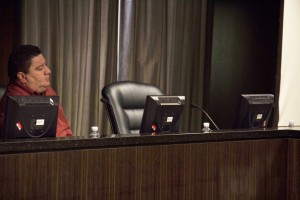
column 197, row 107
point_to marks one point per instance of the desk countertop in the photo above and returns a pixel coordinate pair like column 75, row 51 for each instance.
column 77, row 143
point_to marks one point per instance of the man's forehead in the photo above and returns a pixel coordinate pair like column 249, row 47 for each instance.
column 38, row 60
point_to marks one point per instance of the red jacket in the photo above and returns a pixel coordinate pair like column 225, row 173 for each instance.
column 16, row 88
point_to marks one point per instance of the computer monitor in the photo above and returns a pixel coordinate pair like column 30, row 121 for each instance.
column 254, row 110
column 30, row 116
column 162, row 114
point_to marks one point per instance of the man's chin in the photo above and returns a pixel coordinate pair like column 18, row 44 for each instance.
column 44, row 88
column 47, row 84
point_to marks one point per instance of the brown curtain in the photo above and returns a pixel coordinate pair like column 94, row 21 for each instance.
column 163, row 43
column 90, row 43
column 79, row 41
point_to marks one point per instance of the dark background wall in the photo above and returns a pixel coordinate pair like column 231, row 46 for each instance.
column 9, row 33
column 244, row 55
column 242, row 51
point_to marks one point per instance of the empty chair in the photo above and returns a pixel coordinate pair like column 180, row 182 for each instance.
column 124, row 102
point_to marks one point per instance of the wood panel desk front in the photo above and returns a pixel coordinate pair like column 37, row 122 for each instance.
column 261, row 164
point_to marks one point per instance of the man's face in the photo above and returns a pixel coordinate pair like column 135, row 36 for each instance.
column 38, row 76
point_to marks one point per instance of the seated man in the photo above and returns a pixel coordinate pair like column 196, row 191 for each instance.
column 29, row 76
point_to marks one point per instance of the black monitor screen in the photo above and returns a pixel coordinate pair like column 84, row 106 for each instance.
column 254, row 110
column 31, row 116
column 162, row 114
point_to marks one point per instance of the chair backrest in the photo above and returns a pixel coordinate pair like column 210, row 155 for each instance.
column 2, row 90
column 124, row 102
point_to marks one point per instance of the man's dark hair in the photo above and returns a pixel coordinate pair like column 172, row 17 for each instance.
column 20, row 60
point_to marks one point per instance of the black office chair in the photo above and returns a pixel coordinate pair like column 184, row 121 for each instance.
column 124, row 102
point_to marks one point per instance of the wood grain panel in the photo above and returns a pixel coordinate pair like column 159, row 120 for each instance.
column 256, row 169
column 293, row 170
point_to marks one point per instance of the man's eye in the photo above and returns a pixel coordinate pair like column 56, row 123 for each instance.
column 39, row 68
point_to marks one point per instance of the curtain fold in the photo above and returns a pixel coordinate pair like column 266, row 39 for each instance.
column 78, row 41
column 156, row 42
column 163, row 43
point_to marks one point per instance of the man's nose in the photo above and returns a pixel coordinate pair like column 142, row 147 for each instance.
column 48, row 71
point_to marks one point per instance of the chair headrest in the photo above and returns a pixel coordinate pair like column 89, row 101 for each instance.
column 125, row 103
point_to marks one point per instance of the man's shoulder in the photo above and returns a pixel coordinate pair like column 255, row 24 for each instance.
column 16, row 89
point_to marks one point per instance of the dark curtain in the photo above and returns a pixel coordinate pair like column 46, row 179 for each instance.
column 163, row 43
column 92, row 43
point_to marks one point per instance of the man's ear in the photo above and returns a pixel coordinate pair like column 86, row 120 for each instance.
column 21, row 76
